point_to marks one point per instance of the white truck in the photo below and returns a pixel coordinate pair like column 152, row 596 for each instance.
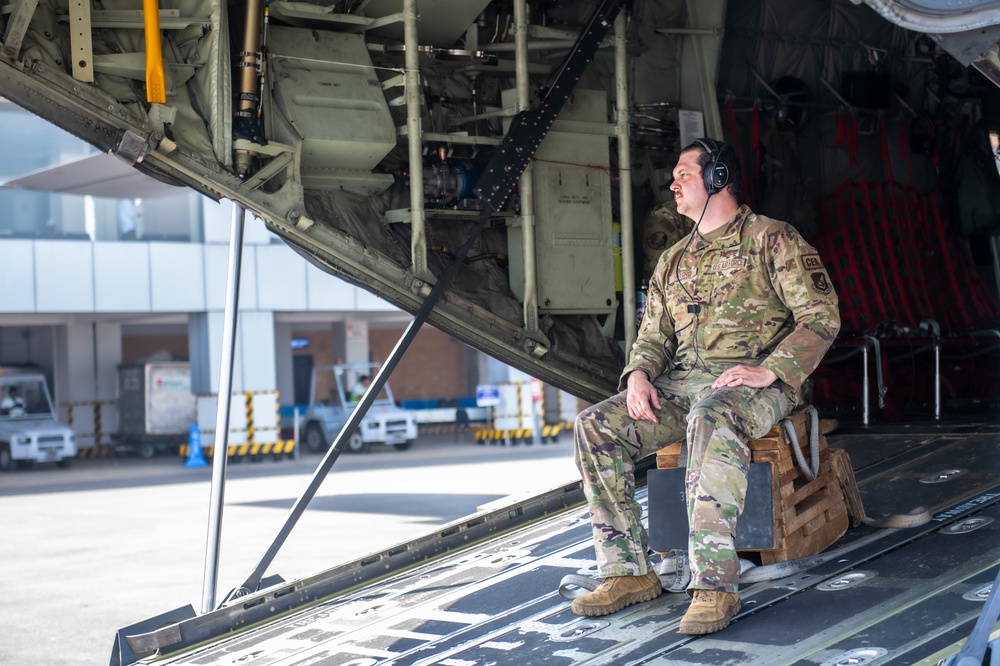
column 29, row 429
column 336, row 390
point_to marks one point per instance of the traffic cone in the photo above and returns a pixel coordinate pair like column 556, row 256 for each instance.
column 195, row 457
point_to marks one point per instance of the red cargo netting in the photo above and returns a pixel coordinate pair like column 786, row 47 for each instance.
column 891, row 257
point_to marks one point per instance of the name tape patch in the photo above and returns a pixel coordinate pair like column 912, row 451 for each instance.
column 811, row 262
column 728, row 263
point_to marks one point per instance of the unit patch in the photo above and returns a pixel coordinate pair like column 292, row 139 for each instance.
column 657, row 240
column 821, row 283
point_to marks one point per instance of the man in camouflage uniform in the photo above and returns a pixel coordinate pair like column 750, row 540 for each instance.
column 737, row 315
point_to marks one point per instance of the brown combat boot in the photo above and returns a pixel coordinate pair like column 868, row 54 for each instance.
column 709, row 612
column 617, row 592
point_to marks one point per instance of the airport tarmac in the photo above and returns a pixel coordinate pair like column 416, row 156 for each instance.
column 110, row 542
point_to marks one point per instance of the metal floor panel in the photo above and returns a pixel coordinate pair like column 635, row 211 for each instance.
column 496, row 604
column 900, row 603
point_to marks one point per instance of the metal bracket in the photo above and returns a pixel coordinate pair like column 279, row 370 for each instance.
column 116, row 19
column 81, row 43
column 17, row 27
column 535, row 348
column 161, row 115
column 132, row 148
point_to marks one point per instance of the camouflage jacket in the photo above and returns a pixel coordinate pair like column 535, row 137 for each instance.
column 764, row 298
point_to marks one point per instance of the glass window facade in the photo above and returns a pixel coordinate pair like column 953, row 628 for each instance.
column 30, row 144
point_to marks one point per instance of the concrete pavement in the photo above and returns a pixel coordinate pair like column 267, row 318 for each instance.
column 110, row 542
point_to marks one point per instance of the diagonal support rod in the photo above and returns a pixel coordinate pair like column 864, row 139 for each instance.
column 251, row 584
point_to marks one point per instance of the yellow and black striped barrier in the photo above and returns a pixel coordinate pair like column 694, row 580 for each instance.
column 438, row 428
column 249, row 443
column 99, row 449
column 550, row 434
column 96, row 451
column 251, row 449
column 277, row 450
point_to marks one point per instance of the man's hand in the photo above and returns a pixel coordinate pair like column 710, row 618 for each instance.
column 753, row 376
column 641, row 397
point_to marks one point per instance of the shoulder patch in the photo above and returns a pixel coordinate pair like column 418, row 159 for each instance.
column 811, row 262
column 821, row 283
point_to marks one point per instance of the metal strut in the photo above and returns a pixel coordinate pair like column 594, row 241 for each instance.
column 974, row 652
column 218, row 491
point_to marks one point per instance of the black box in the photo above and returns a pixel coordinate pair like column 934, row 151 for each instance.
column 668, row 523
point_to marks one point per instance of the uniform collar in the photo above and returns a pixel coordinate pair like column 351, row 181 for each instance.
column 731, row 233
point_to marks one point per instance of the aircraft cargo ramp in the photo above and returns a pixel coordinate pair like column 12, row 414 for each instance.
column 900, row 596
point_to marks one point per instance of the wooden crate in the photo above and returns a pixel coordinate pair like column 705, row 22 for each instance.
column 809, row 515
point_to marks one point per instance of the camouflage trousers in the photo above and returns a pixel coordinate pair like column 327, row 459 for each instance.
column 716, row 424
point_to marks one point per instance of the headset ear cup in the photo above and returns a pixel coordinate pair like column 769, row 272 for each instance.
column 709, row 174
column 716, row 170
column 720, row 177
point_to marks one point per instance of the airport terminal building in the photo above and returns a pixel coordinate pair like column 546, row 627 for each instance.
column 104, row 266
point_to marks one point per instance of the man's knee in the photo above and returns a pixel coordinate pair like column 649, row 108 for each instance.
column 583, row 427
column 588, row 435
column 733, row 418
column 714, row 413
column 717, row 507
column 607, row 416
column 585, row 415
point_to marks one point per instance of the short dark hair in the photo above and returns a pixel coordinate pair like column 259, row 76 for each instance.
column 727, row 155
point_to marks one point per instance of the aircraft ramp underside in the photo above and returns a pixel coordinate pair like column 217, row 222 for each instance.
column 889, row 596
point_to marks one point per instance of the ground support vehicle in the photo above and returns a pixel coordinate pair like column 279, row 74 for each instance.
column 333, row 397
column 29, row 429
column 155, row 407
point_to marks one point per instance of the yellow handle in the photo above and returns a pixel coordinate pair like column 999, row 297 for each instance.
column 156, row 88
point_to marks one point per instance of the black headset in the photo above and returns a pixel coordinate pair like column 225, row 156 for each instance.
column 716, row 171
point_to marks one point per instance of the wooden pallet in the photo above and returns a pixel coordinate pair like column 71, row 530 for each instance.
column 809, row 515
